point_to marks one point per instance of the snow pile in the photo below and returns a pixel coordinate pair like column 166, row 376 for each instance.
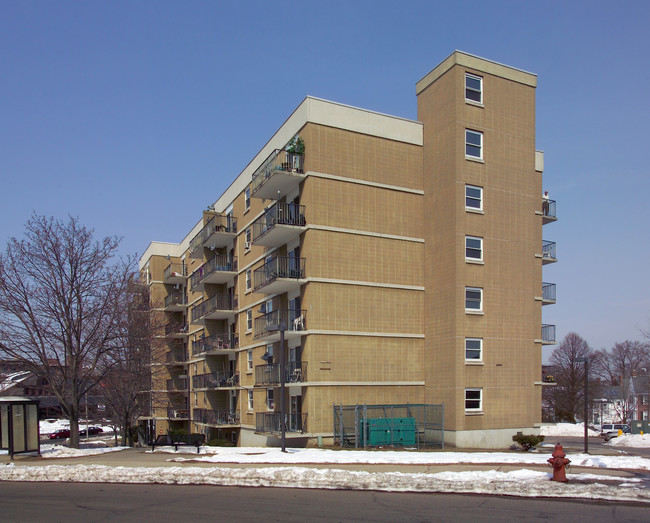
column 523, row 483
column 259, row 455
column 630, row 440
column 567, row 429
column 86, row 449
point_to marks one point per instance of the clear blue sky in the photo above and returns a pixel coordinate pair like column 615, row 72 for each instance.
column 136, row 115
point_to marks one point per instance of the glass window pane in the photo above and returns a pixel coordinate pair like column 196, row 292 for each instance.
column 473, row 243
column 474, row 83
column 475, row 96
column 473, row 138
column 473, row 192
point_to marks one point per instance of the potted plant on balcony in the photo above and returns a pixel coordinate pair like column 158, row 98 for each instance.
column 295, row 154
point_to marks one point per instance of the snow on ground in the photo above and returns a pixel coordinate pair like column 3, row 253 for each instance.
column 47, row 426
column 87, row 449
column 567, row 429
column 266, row 455
column 630, row 440
column 523, row 483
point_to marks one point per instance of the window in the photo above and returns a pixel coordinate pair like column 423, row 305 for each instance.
column 473, row 197
column 473, row 144
column 250, row 400
column 247, row 238
column 247, row 198
column 249, row 320
column 473, row 400
column 473, row 248
column 473, row 88
column 249, row 360
column 270, row 404
column 248, row 280
column 473, row 299
column 473, row 349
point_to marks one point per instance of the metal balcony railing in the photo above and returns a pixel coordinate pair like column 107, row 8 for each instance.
column 218, row 302
column 548, row 292
column 278, row 161
column 175, row 298
column 175, row 270
column 215, row 417
column 548, row 252
column 177, row 384
column 216, row 224
column 215, row 380
column 173, row 413
column 294, row 372
column 269, row 422
column 214, row 342
column 548, row 211
column 176, row 356
column 175, row 328
column 220, row 263
column 289, row 320
column 548, row 334
column 278, row 267
column 280, row 213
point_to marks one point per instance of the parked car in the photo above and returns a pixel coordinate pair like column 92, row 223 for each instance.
column 61, row 433
column 610, row 434
column 93, row 431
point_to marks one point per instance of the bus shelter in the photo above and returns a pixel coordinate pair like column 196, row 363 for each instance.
column 19, row 426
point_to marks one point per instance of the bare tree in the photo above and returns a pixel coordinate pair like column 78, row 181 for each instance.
column 567, row 398
column 616, row 367
column 60, row 295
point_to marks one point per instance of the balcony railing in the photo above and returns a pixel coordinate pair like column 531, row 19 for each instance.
column 173, row 413
column 177, row 384
column 215, row 343
column 278, row 174
column 176, row 357
column 219, row 269
column 175, row 273
column 279, row 268
column 175, row 301
column 215, row 417
column 280, row 223
column 548, row 334
column 269, row 422
column 548, row 211
column 215, row 380
column 219, row 230
column 176, row 330
column 548, row 293
column 548, row 252
column 294, row 372
column 219, row 306
column 268, row 325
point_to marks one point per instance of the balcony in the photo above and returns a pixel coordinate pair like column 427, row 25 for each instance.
column 177, row 385
column 294, row 372
column 177, row 414
column 269, row 423
column 218, row 270
column 548, row 293
column 279, row 224
column 215, row 380
column 280, row 173
column 279, row 274
column 175, row 301
column 548, row 334
column 217, row 307
column 548, row 252
column 175, row 273
column 176, row 330
column 215, row 344
column 548, row 212
column 218, row 232
column 266, row 327
column 216, row 417
column 176, row 357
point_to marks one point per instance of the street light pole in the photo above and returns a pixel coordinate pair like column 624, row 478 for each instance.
column 585, row 360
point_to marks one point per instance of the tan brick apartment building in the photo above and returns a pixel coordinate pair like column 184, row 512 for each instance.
column 403, row 258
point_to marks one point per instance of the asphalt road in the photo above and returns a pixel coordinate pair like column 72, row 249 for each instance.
column 65, row 502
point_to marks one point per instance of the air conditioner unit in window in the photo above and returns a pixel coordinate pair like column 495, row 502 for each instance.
column 247, row 245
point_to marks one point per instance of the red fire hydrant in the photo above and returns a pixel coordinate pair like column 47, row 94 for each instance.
column 558, row 461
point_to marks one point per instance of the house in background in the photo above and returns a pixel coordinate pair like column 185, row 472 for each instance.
column 401, row 259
